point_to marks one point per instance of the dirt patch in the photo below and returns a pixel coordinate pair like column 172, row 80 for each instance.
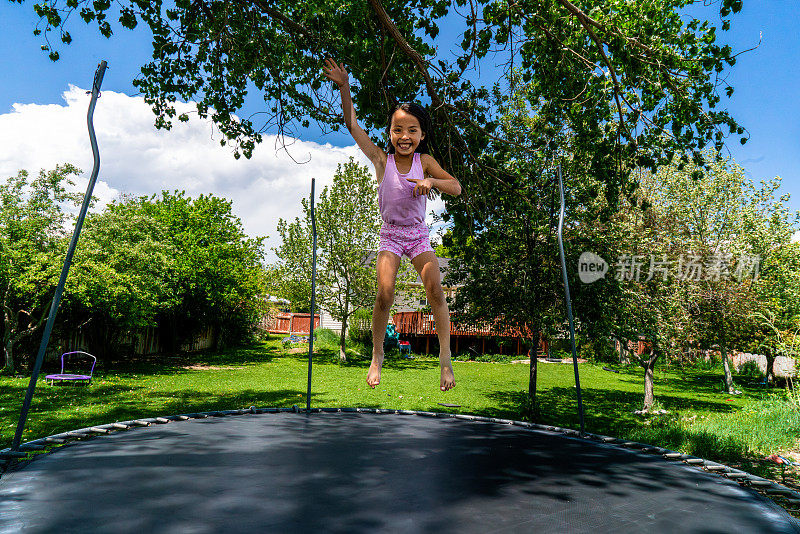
column 298, row 350
column 211, row 368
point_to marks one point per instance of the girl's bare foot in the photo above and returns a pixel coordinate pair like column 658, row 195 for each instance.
column 447, row 380
column 374, row 374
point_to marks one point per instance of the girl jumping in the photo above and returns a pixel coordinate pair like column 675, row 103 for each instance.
column 405, row 176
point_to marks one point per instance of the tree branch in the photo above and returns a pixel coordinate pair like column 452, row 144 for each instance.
column 415, row 56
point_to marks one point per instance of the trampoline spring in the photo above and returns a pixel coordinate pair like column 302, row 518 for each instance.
column 99, row 430
column 77, row 435
column 716, row 467
column 482, row 419
column 32, row 446
column 694, row 461
column 760, row 482
column 608, row 439
column 13, row 455
column 120, row 426
column 140, row 422
column 736, row 475
column 180, row 417
column 673, row 455
column 779, row 491
column 161, row 420
column 56, row 441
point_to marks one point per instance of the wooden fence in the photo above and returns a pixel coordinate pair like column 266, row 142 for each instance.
column 290, row 323
column 143, row 342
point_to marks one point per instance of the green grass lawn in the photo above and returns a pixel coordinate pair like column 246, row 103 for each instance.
column 702, row 420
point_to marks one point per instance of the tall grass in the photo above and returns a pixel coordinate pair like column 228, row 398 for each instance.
column 765, row 426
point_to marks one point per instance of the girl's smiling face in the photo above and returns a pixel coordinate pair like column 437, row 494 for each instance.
column 405, row 132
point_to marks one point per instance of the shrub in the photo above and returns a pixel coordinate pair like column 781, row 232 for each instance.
column 360, row 327
column 750, row 369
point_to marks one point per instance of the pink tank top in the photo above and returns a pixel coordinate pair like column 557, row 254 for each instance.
column 394, row 194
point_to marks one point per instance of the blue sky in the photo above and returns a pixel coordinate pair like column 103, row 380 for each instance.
column 765, row 81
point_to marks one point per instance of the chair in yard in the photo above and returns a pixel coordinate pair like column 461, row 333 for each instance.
column 405, row 346
column 79, row 359
column 392, row 338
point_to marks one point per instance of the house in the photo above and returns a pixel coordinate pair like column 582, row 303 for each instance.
column 419, row 327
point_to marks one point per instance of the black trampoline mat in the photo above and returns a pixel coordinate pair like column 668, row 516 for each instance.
column 329, row 472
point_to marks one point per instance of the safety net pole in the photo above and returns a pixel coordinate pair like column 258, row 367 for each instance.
column 23, row 416
column 313, row 294
column 569, row 301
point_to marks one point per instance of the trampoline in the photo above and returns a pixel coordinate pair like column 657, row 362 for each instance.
column 362, row 470
column 278, row 470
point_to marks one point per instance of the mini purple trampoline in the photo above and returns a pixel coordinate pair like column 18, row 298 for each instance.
column 71, row 378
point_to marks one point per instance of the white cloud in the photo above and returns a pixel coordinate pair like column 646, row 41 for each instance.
column 138, row 159
column 796, row 237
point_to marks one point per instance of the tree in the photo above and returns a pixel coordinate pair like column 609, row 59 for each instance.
column 505, row 258
column 293, row 269
column 770, row 228
column 728, row 226
column 349, row 221
column 123, row 277
column 638, row 82
column 32, row 246
column 220, row 281
column 183, row 264
column 650, row 308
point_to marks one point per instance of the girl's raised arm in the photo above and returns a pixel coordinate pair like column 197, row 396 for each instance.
column 337, row 74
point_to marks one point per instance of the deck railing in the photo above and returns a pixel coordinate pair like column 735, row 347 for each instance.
column 421, row 324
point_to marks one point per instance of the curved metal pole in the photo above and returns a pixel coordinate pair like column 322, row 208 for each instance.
column 569, row 300
column 313, row 294
column 23, row 416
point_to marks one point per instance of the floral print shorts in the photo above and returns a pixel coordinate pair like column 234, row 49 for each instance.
column 409, row 240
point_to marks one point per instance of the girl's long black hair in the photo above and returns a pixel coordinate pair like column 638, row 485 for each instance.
column 424, row 122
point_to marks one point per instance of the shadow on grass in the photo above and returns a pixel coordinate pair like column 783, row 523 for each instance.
column 51, row 415
column 172, row 364
column 610, row 413
column 327, row 356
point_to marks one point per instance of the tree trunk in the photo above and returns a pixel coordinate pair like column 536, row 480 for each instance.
column 623, row 353
column 649, row 397
column 7, row 352
column 729, row 387
column 769, row 375
column 342, row 353
column 215, row 335
column 533, row 353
